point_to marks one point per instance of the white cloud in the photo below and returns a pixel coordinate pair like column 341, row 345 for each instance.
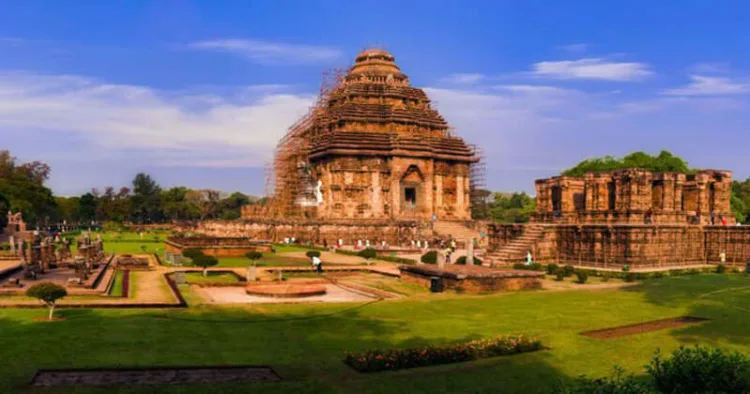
column 710, row 86
column 464, row 78
column 592, row 69
column 575, row 48
column 265, row 52
column 185, row 129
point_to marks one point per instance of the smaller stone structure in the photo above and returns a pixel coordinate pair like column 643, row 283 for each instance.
column 218, row 246
column 636, row 196
column 471, row 278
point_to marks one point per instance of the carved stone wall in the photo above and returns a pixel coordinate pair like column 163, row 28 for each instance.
column 639, row 246
column 635, row 196
column 321, row 231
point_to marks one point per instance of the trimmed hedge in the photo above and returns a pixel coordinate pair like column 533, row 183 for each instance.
column 303, row 246
column 530, row 267
column 429, row 257
column 376, row 360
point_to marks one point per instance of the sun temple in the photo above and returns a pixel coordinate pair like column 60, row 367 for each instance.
column 371, row 148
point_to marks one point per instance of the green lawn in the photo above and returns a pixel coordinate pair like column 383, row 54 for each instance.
column 268, row 260
column 211, row 277
column 116, row 289
column 305, row 343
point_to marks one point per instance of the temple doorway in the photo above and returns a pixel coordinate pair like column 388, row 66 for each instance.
column 411, row 189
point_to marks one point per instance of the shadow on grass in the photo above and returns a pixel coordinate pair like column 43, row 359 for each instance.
column 725, row 299
column 305, row 346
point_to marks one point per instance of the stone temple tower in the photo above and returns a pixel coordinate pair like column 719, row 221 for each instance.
column 373, row 148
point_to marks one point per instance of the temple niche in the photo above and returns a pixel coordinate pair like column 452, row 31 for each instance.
column 636, row 196
column 371, row 148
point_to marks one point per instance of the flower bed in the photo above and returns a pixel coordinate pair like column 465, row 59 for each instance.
column 375, row 360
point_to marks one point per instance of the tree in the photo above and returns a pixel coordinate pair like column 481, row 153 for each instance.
column 205, row 261
column 367, row 254
column 23, row 187
column 230, row 208
column 665, row 161
column 480, row 204
column 512, row 208
column 254, row 256
column 47, row 293
column 206, row 200
column 176, row 206
column 145, row 204
column 192, row 253
column 4, row 207
column 87, row 207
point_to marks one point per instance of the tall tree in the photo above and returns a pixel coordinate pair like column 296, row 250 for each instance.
column 145, row 204
column 4, row 207
column 87, row 207
column 23, row 187
column 512, row 208
column 207, row 201
column 176, row 206
column 230, row 208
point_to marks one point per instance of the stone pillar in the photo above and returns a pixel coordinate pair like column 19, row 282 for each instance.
column 377, row 194
column 12, row 246
column 438, row 209
column 250, row 276
column 469, row 251
column 460, row 198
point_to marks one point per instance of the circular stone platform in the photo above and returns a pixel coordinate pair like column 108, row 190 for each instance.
column 285, row 290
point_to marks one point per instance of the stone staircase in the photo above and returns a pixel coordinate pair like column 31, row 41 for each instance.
column 515, row 251
column 456, row 230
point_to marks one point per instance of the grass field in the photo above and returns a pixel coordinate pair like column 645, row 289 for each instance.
column 211, row 277
column 305, row 343
column 116, row 289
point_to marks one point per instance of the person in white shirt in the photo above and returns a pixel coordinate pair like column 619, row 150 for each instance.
column 317, row 264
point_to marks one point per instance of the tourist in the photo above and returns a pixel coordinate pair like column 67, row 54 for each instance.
column 453, row 244
column 319, row 265
column 723, row 220
column 697, row 216
column 528, row 257
column 316, row 263
column 723, row 257
column 447, row 256
column 649, row 216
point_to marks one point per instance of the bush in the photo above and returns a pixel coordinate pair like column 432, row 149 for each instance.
column 552, row 269
column 701, row 370
column 192, row 253
column 47, row 293
column 204, row 262
column 721, row 268
column 462, row 261
column 312, row 253
column 617, row 383
column 5, row 246
column 606, row 276
column 625, row 268
column 429, row 257
column 254, row 255
column 582, row 277
column 375, row 360
column 559, row 276
column 367, row 253
column 568, row 271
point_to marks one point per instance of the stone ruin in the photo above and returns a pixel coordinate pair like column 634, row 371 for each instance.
column 15, row 224
column 629, row 217
column 90, row 254
column 635, row 196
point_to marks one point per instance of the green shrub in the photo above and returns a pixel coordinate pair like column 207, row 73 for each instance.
column 625, row 268
column 606, row 276
column 582, row 277
column 254, row 255
column 568, row 271
column 429, row 257
column 367, row 254
column 629, row 277
column 375, row 360
column 4, row 246
column 312, row 253
column 552, row 269
column 559, row 276
column 617, row 383
column 701, row 370
column 192, row 253
column 721, row 268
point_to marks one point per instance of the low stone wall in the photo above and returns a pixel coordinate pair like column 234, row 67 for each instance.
column 639, row 246
column 320, row 232
column 475, row 285
column 216, row 246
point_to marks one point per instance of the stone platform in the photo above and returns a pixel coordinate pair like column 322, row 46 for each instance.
column 218, row 246
column 471, row 278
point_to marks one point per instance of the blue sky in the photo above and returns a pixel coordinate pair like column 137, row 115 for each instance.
column 197, row 93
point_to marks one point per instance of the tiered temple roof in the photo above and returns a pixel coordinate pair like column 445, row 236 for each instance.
column 374, row 111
